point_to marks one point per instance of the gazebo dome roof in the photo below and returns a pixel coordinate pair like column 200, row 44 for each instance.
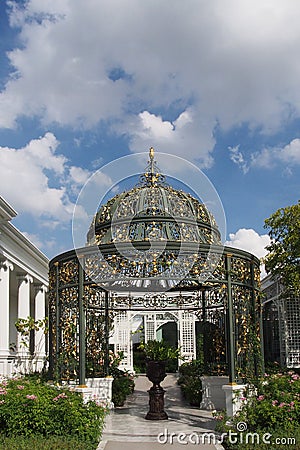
column 153, row 211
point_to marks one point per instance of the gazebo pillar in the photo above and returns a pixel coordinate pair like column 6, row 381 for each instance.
column 259, row 369
column 230, row 323
column 82, row 344
column 106, row 331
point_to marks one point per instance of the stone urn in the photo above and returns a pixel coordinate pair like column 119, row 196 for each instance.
column 156, row 372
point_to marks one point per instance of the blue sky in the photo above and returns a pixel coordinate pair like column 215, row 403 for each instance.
column 85, row 82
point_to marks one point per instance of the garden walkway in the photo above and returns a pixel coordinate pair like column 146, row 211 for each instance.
column 127, row 429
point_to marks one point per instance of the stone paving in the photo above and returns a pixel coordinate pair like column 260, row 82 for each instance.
column 127, row 429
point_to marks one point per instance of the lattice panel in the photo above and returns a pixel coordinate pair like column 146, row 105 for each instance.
column 149, row 329
column 292, row 310
column 123, row 338
column 187, row 333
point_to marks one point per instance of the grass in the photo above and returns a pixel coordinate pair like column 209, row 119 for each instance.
column 42, row 443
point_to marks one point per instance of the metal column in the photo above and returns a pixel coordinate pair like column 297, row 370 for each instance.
column 230, row 324
column 106, row 354
column 82, row 340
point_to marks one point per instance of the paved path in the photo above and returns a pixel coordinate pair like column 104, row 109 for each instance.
column 127, row 429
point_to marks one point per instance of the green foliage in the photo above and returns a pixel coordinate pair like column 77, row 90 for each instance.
column 24, row 326
column 123, row 385
column 42, row 443
column 271, row 405
column 30, row 407
column 192, row 368
column 139, row 360
column 190, row 381
column 283, row 259
column 159, row 350
column 276, row 403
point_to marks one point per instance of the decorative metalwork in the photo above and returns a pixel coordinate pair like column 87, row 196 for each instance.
column 68, row 272
column 240, row 270
column 154, row 248
column 153, row 210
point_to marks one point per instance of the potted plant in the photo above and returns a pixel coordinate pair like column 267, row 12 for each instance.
column 157, row 354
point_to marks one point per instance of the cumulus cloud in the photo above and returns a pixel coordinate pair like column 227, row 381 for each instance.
column 268, row 158
column 250, row 241
column 37, row 180
column 186, row 135
column 288, row 155
column 215, row 62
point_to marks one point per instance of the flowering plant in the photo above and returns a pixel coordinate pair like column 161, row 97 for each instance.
column 270, row 407
column 272, row 402
column 30, row 407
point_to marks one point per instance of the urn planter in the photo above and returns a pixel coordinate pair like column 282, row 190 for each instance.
column 156, row 372
column 157, row 353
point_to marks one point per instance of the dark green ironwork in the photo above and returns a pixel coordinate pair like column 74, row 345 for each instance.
column 107, row 328
column 57, row 322
column 122, row 232
column 256, row 358
column 230, row 324
column 82, row 332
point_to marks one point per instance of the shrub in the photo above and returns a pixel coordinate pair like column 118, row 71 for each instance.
column 123, row 383
column 271, row 405
column 122, row 386
column 190, row 381
column 276, row 403
column 42, row 443
column 29, row 407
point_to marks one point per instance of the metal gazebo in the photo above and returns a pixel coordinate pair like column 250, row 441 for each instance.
column 154, row 248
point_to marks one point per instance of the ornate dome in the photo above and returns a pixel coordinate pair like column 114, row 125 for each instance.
column 153, row 211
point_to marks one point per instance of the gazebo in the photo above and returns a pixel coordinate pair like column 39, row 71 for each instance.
column 155, row 251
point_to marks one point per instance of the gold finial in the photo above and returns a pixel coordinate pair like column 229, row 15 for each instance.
column 152, row 175
column 151, row 153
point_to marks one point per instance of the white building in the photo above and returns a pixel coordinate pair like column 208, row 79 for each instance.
column 23, row 287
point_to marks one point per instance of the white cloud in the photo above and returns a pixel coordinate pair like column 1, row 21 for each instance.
column 28, row 176
column 78, row 177
column 238, row 158
column 213, row 62
column 34, row 239
column 289, row 155
column 291, row 152
column 250, row 241
column 268, row 158
column 185, row 136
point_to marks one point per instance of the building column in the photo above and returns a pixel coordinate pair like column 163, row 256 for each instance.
column 5, row 268
column 39, row 314
column 24, row 281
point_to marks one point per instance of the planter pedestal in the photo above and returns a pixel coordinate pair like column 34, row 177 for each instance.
column 156, row 404
column 156, row 372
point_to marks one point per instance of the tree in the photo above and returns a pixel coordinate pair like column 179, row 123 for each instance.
column 283, row 259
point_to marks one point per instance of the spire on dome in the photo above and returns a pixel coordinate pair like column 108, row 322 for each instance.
column 152, row 176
